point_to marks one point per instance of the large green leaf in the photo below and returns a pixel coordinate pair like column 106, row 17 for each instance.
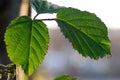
column 27, row 42
column 43, row 6
column 86, row 31
column 65, row 77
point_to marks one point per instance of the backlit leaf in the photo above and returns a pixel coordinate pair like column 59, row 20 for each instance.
column 27, row 42
column 43, row 6
column 87, row 33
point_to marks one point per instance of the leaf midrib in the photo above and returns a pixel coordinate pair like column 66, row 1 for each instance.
column 28, row 62
column 81, row 32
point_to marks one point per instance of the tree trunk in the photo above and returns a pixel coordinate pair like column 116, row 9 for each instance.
column 25, row 10
column 20, row 75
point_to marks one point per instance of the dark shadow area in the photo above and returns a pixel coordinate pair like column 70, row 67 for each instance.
column 9, row 9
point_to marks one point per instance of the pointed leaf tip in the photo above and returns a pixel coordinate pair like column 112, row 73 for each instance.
column 87, row 33
column 27, row 42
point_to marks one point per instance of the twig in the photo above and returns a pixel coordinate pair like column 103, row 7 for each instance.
column 48, row 19
column 35, row 16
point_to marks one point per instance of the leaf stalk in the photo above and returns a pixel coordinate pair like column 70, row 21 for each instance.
column 35, row 16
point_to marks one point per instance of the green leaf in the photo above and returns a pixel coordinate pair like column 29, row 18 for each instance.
column 65, row 77
column 27, row 42
column 86, row 31
column 43, row 6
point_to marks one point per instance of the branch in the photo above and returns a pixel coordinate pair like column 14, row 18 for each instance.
column 35, row 16
column 48, row 19
column 44, row 19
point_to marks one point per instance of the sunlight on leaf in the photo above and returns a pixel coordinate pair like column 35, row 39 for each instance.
column 27, row 42
column 43, row 6
column 87, row 33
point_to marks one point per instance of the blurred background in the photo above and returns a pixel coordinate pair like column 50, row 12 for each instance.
column 61, row 57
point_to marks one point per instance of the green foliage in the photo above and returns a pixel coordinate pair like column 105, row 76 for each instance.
column 43, row 6
column 27, row 42
column 65, row 77
column 86, row 31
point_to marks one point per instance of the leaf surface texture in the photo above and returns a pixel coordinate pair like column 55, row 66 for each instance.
column 27, row 42
column 43, row 6
column 87, row 33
